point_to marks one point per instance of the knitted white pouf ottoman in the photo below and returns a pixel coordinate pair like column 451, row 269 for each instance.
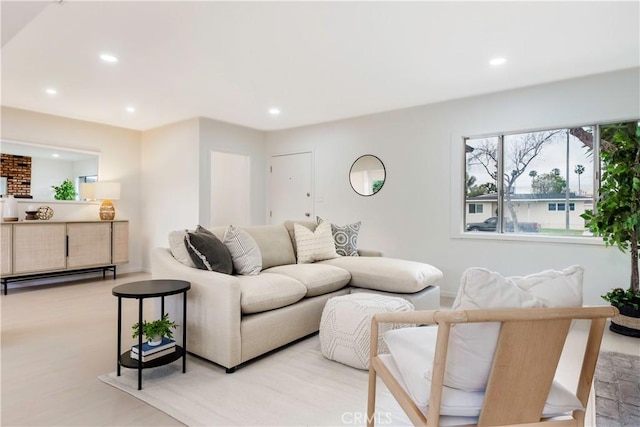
column 345, row 327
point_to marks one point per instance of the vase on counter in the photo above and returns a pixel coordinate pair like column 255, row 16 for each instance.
column 10, row 209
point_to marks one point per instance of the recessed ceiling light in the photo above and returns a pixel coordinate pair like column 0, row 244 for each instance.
column 130, row 109
column 106, row 57
column 497, row 61
column 274, row 111
column 51, row 91
column 55, row 155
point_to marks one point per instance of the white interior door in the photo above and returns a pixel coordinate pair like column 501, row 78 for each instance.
column 229, row 189
column 291, row 188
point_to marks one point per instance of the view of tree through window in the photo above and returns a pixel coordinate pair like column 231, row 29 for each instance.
column 533, row 182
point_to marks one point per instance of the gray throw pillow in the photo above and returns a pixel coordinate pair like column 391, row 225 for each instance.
column 207, row 251
column 344, row 237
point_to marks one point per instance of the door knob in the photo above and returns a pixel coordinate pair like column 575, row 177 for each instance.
column 307, row 214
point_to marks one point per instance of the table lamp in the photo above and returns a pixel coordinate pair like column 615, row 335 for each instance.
column 88, row 191
column 107, row 191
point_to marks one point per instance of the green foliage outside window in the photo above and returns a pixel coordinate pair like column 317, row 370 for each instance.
column 548, row 183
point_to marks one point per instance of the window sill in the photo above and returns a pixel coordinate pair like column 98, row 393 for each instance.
column 530, row 237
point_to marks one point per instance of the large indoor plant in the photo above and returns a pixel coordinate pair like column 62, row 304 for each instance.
column 617, row 215
column 155, row 330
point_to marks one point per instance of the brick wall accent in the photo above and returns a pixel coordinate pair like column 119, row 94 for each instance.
column 17, row 170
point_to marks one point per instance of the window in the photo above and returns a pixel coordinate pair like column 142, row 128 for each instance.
column 527, row 180
column 87, row 178
column 476, row 208
column 561, row 206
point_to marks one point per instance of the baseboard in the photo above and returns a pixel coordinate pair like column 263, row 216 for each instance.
column 448, row 294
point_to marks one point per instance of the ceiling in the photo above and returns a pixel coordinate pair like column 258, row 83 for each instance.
column 315, row 61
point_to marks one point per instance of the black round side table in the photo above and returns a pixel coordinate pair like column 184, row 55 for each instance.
column 151, row 289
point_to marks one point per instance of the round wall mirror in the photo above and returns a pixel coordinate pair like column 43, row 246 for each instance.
column 367, row 175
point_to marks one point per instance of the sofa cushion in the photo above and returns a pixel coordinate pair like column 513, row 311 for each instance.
column 178, row 248
column 315, row 245
column 208, row 252
column 388, row 274
column 472, row 346
column 319, row 279
column 412, row 352
column 245, row 253
column 268, row 291
column 274, row 243
column 219, row 232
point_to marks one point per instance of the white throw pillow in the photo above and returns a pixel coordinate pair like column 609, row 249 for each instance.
column 412, row 350
column 244, row 250
column 179, row 249
column 472, row 346
column 315, row 245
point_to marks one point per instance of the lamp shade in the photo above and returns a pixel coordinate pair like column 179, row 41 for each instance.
column 88, row 191
column 106, row 190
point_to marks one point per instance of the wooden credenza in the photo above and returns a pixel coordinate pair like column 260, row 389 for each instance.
column 37, row 249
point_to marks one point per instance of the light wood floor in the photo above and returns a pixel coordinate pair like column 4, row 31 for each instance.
column 57, row 339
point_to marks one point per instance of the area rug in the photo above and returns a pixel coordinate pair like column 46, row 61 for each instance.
column 293, row 386
column 617, row 389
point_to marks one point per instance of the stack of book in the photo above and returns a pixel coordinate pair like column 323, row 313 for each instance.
column 149, row 352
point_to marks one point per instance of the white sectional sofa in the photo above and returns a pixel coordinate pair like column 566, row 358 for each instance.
column 235, row 318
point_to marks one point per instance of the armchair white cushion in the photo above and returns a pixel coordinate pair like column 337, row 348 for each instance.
column 472, row 346
column 411, row 355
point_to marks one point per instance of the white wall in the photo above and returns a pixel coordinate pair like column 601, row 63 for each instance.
column 417, row 214
column 170, row 174
column 86, row 167
column 119, row 161
column 228, row 138
column 229, row 189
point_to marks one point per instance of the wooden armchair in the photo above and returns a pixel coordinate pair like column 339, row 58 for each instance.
column 527, row 354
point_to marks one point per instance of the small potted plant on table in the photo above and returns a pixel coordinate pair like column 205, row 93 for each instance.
column 155, row 330
column 617, row 215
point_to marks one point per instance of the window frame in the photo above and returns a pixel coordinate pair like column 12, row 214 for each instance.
column 459, row 218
